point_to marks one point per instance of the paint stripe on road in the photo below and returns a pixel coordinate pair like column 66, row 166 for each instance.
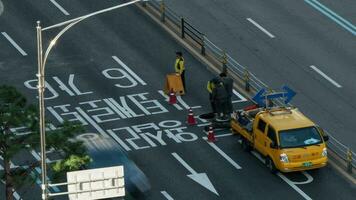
column 332, row 15
column 1, row 7
column 129, row 70
column 59, row 7
column 325, row 76
column 296, row 188
column 14, row 43
column 165, row 194
column 223, row 154
column 261, row 28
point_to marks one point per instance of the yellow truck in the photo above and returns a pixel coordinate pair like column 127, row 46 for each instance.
column 287, row 139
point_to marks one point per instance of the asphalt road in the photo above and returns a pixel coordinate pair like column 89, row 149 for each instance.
column 107, row 72
column 299, row 36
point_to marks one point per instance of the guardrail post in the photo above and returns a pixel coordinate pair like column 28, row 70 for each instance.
column 247, row 81
column 182, row 27
column 349, row 161
column 203, row 44
column 224, row 62
column 269, row 102
column 163, row 11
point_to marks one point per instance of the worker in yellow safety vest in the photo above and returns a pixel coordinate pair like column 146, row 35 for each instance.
column 179, row 67
column 210, row 87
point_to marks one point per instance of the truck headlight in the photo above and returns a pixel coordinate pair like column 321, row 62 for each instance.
column 284, row 158
column 324, row 153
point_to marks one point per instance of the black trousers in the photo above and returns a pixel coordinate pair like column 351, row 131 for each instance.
column 183, row 79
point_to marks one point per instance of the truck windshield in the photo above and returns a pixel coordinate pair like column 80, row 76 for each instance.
column 299, row 137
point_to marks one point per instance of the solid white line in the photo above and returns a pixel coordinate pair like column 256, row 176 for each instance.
column 165, row 194
column 224, row 135
column 260, row 27
column 191, row 170
column 59, row 7
column 325, row 76
column 232, row 162
column 129, row 70
column 14, row 44
column 296, row 188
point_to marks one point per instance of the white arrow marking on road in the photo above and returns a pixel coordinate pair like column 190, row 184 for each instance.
column 200, row 178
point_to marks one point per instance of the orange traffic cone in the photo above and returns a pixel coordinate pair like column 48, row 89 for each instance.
column 191, row 120
column 172, row 97
column 211, row 135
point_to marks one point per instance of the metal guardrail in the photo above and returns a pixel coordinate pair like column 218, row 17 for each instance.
column 250, row 80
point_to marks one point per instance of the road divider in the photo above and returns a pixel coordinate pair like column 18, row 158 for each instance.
column 332, row 15
column 219, row 60
column 14, row 43
column 261, row 28
column 59, row 7
column 325, row 76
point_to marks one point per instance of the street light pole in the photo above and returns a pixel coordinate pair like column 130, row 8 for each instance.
column 41, row 80
column 41, row 88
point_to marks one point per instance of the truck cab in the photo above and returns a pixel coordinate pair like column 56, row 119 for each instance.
column 287, row 139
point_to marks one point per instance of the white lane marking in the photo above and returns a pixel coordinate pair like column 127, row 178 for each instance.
column 14, row 43
column 309, row 179
column 260, row 27
column 59, row 7
column 296, row 188
column 224, row 135
column 289, row 182
column 242, row 98
column 129, row 70
column 16, row 195
column 1, row 7
column 185, row 165
column 223, row 154
column 165, row 194
column 325, row 76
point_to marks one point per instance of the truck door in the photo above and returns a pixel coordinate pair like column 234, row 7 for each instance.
column 271, row 137
column 260, row 136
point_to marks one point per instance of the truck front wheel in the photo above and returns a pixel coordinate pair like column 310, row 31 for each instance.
column 270, row 165
column 245, row 145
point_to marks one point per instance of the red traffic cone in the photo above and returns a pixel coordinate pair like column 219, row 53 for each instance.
column 211, row 135
column 191, row 120
column 172, row 97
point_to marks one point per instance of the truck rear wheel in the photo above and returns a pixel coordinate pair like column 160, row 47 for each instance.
column 270, row 165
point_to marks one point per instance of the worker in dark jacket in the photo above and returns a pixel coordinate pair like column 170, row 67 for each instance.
column 228, row 83
column 179, row 67
column 210, row 87
column 220, row 98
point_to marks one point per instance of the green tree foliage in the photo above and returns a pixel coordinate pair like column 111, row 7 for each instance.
column 16, row 112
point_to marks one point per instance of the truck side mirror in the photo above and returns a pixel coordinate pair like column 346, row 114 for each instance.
column 326, row 138
column 273, row 145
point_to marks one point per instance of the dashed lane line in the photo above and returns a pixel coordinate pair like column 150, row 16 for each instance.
column 325, row 76
column 261, row 28
column 59, row 7
column 14, row 43
column 165, row 194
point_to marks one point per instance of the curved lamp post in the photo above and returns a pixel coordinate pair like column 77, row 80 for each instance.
column 41, row 80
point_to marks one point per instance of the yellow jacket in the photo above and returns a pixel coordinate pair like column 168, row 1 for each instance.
column 179, row 65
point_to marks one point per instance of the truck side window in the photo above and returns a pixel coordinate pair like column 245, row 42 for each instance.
column 261, row 125
column 271, row 134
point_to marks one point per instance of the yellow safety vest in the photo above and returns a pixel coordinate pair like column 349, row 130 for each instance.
column 179, row 65
column 210, row 86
